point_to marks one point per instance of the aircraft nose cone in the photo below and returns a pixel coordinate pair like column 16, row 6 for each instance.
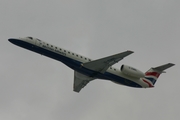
column 11, row 40
column 14, row 41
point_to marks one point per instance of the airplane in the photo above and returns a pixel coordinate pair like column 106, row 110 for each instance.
column 86, row 69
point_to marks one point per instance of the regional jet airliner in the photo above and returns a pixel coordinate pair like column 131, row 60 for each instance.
column 86, row 69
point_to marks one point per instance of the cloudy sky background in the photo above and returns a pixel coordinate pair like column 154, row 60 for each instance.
column 36, row 87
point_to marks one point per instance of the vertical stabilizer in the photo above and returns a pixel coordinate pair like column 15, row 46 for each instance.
column 153, row 74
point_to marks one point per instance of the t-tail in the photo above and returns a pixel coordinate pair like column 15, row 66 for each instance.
column 153, row 74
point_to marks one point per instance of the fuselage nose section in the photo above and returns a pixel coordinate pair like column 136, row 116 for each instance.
column 15, row 41
column 12, row 40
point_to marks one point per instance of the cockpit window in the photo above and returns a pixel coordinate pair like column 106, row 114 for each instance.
column 30, row 38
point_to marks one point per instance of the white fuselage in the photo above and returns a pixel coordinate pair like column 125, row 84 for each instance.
column 75, row 61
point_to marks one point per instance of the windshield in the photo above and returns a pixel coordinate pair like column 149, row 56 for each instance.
column 30, row 38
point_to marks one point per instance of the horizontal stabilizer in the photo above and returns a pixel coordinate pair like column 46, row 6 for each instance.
column 163, row 67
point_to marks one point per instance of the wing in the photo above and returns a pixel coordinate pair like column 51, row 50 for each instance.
column 80, row 81
column 101, row 65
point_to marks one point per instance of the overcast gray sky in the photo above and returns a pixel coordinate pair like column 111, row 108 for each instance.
column 39, row 88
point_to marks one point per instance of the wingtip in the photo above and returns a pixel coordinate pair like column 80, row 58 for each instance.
column 130, row 51
column 172, row 64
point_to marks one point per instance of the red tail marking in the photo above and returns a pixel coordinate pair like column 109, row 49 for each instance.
column 148, row 83
column 152, row 74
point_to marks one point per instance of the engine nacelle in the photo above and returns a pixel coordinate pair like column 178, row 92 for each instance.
column 130, row 71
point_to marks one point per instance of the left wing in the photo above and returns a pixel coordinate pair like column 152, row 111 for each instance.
column 101, row 65
column 80, row 81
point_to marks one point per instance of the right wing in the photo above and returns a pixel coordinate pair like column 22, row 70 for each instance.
column 101, row 65
column 80, row 81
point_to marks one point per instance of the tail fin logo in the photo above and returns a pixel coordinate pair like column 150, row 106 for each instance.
column 149, row 83
column 151, row 76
